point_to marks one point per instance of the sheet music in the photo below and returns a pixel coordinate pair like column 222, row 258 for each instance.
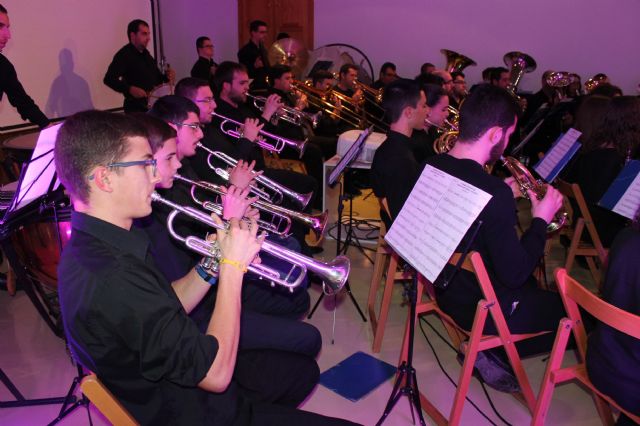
column 558, row 155
column 434, row 219
column 623, row 196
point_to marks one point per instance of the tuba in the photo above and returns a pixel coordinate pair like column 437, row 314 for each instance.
column 519, row 64
column 561, row 80
column 455, row 61
column 526, row 181
column 595, row 81
column 449, row 130
column 334, row 274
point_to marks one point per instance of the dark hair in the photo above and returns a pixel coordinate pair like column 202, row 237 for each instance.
column 423, row 68
column 88, row 139
column 398, row 95
column 588, row 117
column 433, row 92
column 386, row 66
column 188, row 86
column 457, row 74
column 620, row 126
column 255, row 25
column 224, row 73
column 487, row 106
column 173, row 109
column 280, row 36
column 486, row 73
column 134, row 26
column 430, row 78
column 3, row 10
column 277, row 71
column 606, row 89
column 321, row 75
column 158, row 132
column 200, row 41
column 344, row 69
column 494, row 74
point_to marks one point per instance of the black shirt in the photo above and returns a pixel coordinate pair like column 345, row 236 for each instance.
column 247, row 56
column 130, row 67
column 125, row 323
column 204, row 69
column 10, row 85
column 422, row 143
column 394, row 171
column 509, row 261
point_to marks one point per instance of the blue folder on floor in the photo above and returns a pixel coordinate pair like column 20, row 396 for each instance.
column 357, row 375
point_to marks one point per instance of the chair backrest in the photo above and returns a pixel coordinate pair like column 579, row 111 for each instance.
column 573, row 191
column 104, row 400
column 474, row 264
column 574, row 294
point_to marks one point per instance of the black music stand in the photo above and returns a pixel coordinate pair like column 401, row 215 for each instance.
column 334, row 178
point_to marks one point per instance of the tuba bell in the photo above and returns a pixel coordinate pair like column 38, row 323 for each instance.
column 519, row 64
column 456, row 62
column 595, row 81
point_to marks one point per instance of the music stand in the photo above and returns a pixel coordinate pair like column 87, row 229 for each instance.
column 348, row 158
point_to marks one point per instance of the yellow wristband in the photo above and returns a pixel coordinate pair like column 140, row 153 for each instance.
column 235, row 263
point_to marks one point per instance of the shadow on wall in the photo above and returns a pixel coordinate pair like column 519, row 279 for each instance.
column 69, row 92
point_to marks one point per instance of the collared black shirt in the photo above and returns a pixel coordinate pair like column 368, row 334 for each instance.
column 10, row 85
column 509, row 261
column 204, row 69
column 394, row 171
column 130, row 67
column 124, row 322
column 422, row 143
column 247, row 56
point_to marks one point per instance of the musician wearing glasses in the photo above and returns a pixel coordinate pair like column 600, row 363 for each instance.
column 10, row 84
column 253, row 55
column 487, row 118
column 133, row 71
column 459, row 91
column 205, row 66
column 386, row 76
column 447, row 80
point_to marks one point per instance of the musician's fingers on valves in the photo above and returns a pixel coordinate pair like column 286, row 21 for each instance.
column 235, row 202
column 251, row 128
column 239, row 243
column 243, row 175
column 548, row 206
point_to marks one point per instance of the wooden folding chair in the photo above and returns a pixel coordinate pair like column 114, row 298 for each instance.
column 574, row 295
column 590, row 250
column 104, row 400
column 477, row 340
column 383, row 253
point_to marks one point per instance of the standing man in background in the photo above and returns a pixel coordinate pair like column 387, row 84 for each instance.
column 253, row 55
column 133, row 71
column 10, row 84
column 205, row 66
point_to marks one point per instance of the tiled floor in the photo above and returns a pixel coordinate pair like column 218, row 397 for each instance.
column 37, row 362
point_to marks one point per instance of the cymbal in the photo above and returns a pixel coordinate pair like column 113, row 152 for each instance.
column 291, row 52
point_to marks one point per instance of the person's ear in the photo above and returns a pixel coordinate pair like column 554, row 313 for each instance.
column 495, row 134
column 101, row 178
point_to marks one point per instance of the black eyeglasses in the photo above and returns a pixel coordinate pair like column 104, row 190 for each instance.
column 149, row 162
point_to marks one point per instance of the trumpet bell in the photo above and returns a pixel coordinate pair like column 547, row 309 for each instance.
column 456, row 62
column 334, row 274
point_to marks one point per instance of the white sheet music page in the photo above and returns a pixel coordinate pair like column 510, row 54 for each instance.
column 438, row 213
column 558, row 155
column 630, row 201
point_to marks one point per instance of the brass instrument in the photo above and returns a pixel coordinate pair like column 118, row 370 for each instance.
column 456, row 62
column 518, row 63
column 376, row 94
column 281, row 216
column 334, row 274
column 322, row 100
column 561, row 80
column 449, row 132
column 278, row 190
column 278, row 141
column 288, row 114
column 595, row 81
column 526, row 181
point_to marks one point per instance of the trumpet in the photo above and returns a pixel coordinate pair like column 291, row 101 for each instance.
column 526, row 181
column 278, row 141
column 334, row 274
column 281, row 216
column 288, row 114
column 279, row 191
column 279, row 224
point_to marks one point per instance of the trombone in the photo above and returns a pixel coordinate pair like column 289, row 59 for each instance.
column 281, row 216
column 278, row 141
column 287, row 113
column 279, row 191
column 319, row 99
column 334, row 274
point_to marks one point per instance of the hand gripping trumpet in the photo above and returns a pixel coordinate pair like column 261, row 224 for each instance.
column 334, row 274
column 526, row 181
column 281, row 216
column 277, row 145
column 287, row 113
column 278, row 190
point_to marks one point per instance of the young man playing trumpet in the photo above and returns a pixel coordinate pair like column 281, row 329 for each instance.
column 123, row 320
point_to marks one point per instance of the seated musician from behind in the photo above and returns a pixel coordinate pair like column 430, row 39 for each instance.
column 613, row 358
column 487, row 118
column 395, row 169
column 602, row 157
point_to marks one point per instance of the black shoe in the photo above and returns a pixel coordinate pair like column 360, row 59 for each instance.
column 494, row 372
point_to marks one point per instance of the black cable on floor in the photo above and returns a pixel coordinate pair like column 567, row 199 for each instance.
column 452, row 381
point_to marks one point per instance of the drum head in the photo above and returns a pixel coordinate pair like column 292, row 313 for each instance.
column 158, row 92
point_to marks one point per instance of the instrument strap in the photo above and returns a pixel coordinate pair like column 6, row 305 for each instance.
column 465, row 252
